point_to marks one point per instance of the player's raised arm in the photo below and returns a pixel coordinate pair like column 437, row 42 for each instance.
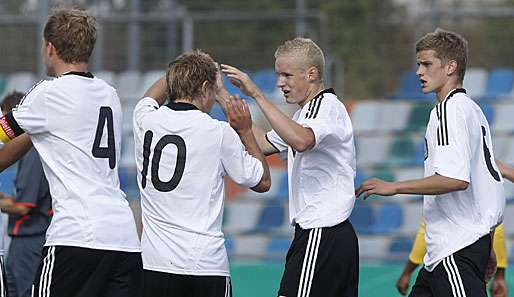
column 158, row 91
column 298, row 137
column 240, row 119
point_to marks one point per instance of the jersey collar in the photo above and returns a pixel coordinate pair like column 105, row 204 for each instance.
column 181, row 106
column 455, row 91
column 83, row 74
column 325, row 91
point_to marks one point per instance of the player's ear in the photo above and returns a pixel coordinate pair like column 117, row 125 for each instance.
column 451, row 67
column 313, row 74
column 205, row 87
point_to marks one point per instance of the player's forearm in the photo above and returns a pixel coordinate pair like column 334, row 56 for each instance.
column 250, row 143
column 158, row 91
column 9, row 206
column 16, row 210
column 409, row 268
column 297, row 136
column 266, row 148
column 432, row 185
column 14, row 150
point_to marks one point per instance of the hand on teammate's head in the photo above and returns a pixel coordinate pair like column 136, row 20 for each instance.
column 241, row 80
column 238, row 114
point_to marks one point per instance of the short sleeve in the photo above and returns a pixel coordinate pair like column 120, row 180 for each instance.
column 29, row 179
column 243, row 168
column 452, row 153
column 31, row 115
column 144, row 107
column 275, row 140
column 321, row 117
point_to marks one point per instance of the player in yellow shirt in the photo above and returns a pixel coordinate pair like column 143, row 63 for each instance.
column 499, row 284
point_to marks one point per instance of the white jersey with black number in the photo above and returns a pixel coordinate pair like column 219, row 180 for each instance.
column 74, row 122
column 458, row 146
column 182, row 155
column 321, row 180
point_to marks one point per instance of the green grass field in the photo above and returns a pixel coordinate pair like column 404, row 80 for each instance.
column 262, row 279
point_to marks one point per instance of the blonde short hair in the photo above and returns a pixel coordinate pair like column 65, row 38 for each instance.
column 186, row 74
column 448, row 46
column 306, row 49
column 73, row 34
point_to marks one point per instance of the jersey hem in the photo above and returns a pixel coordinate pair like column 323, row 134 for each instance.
column 433, row 264
column 188, row 272
column 95, row 246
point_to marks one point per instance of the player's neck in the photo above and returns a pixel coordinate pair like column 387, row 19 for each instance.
column 315, row 90
column 446, row 89
column 193, row 102
column 62, row 68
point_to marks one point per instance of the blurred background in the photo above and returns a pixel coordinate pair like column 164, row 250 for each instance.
column 370, row 62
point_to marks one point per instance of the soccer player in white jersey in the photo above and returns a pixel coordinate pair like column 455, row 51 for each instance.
column 74, row 122
column 183, row 154
column 462, row 187
column 323, row 259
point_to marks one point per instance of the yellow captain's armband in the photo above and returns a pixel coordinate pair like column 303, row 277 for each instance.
column 9, row 129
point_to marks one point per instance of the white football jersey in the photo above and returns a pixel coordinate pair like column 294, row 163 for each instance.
column 182, row 155
column 458, row 146
column 321, row 180
column 74, row 122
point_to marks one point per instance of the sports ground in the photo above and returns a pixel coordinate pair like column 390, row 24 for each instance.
column 263, row 279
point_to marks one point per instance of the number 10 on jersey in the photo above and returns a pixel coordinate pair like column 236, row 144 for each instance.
column 180, row 163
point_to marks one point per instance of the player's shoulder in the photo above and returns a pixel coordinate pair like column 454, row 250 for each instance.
column 36, row 90
column 459, row 102
column 324, row 100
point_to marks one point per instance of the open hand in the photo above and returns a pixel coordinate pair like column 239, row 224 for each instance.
column 241, row 80
column 499, row 287
column 238, row 114
column 376, row 186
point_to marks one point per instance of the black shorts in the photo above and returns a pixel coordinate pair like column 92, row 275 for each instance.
column 67, row 271
column 322, row 262
column 460, row 274
column 161, row 284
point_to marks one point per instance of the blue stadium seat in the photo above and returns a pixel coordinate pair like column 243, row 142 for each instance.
column 488, row 111
column 217, row 113
column 266, row 81
column 271, row 217
column 128, row 182
column 359, row 178
column 277, row 248
column 410, row 88
column 283, row 190
column 400, row 246
column 362, row 218
column 499, row 83
column 229, row 245
column 419, row 158
column 7, row 178
column 389, row 219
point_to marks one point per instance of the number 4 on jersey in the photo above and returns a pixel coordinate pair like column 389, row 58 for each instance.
column 109, row 152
